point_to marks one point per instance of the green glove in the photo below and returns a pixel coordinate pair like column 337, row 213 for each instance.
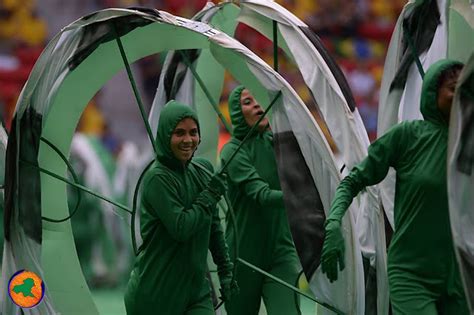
column 229, row 288
column 333, row 250
column 210, row 196
column 217, row 184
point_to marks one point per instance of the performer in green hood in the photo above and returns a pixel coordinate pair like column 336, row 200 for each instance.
column 262, row 224
column 179, row 223
column 422, row 269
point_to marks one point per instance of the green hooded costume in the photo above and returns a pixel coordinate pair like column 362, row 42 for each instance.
column 179, row 223
column 422, row 269
column 262, row 224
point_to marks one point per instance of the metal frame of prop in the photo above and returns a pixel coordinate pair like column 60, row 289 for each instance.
column 74, row 176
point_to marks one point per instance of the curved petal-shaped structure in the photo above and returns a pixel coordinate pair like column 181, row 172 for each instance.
column 461, row 177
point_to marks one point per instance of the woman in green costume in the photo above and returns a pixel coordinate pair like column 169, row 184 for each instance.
column 422, row 269
column 179, row 223
column 262, row 224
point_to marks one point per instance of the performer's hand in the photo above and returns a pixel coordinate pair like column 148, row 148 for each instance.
column 213, row 192
column 217, row 184
column 333, row 250
column 228, row 289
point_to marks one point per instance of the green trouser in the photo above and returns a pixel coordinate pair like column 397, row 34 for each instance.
column 201, row 304
column 253, row 286
column 191, row 302
column 414, row 294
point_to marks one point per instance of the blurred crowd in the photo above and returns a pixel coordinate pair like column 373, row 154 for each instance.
column 356, row 33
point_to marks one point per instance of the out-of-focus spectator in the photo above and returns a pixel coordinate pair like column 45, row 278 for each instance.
column 59, row 13
column 150, row 66
column 20, row 23
column 22, row 36
column 304, row 9
column 361, row 79
column 335, row 17
column 92, row 121
column 367, row 106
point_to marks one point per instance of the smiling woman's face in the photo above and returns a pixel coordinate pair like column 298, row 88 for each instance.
column 185, row 139
column 251, row 110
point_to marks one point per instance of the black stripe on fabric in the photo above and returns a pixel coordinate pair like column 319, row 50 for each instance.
column 335, row 70
column 303, row 203
column 370, row 278
column 97, row 33
column 146, row 10
column 150, row 11
column 176, row 71
column 10, row 180
column 27, row 199
column 421, row 25
column 89, row 16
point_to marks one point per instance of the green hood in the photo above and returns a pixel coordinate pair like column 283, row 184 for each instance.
column 429, row 91
column 170, row 116
column 237, row 118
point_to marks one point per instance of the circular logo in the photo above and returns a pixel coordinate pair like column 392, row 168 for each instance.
column 26, row 289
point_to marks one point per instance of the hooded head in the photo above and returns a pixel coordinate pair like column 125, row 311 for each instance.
column 438, row 73
column 171, row 115
column 243, row 120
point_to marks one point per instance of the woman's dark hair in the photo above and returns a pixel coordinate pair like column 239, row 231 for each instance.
column 449, row 73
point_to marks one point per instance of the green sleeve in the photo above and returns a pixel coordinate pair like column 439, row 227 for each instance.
column 243, row 174
column 218, row 248
column 203, row 163
column 382, row 154
column 217, row 244
column 180, row 222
